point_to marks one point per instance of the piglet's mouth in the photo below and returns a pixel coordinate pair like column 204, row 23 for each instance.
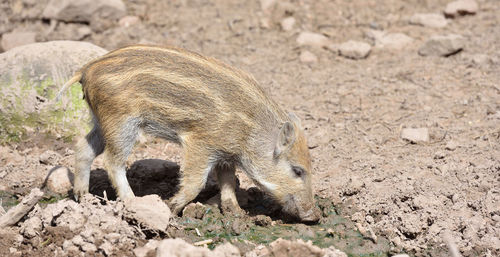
column 294, row 211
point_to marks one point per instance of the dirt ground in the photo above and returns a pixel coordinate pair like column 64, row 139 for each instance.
column 417, row 196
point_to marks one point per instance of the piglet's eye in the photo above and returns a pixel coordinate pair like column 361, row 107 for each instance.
column 299, row 172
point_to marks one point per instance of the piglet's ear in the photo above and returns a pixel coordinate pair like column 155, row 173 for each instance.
column 286, row 138
column 294, row 119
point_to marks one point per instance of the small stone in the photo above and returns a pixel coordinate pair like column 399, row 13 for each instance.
column 83, row 32
column 451, row 145
column 266, row 5
column 433, row 20
column 354, row 49
column 415, row 135
column 149, row 211
column 59, row 180
column 150, row 246
column 84, row 10
column 307, row 57
column 312, row 39
column 461, row 7
column 333, row 252
column 128, row 21
column 107, row 248
column 287, row 23
column 226, row 250
column 88, row 247
column 439, row 155
column 401, row 255
column 393, row 40
column 369, row 219
column 265, row 23
column 14, row 39
column 49, row 157
column 442, row 45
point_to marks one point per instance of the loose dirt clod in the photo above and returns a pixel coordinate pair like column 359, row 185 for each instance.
column 19, row 211
column 148, row 211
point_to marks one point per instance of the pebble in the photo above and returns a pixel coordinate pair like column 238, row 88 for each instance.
column 14, row 39
column 149, row 211
column 128, row 21
column 312, row 39
column 461, row 7
column 287, row 24
column 59, row 180
column 308, row 57
column 49, row 157
column 415, row 135
column 84, row 10
column 433, row 20
column 442, row 45
column 266, row 5
column 389, row 40
column 451, row 145
column 354, row 49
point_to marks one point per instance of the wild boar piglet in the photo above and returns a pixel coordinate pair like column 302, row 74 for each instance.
column 219, row 115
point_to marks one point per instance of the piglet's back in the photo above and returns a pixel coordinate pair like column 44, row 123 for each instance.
column 178, row 88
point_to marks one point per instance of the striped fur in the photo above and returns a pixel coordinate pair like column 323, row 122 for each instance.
column 219, row 114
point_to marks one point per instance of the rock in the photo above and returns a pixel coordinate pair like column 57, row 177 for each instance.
column 461, row 7
column 451, row 145
column 84, row 10
column 128, row 21
column 60, row 180
column 226, row 250
column 333, row 252
column 389, row 40
column 49, row 157
column 149, row 211
column 442, row 45
column 15, row 39
column 415, row 135
column 307, row 57
column 145, row 250
column 179, row 247
column 354, row 49
column 433, row 20
column 312, row 39
column 282, row 247
column 30, row 78
column 287, row 23
column 401, row 255
column 266, row 5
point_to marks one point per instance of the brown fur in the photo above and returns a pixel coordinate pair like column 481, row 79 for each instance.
column 219, row 114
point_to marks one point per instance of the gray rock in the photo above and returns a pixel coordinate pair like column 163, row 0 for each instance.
column 433, row 20
column 415, row 135
column 60, row 180
column 461, row 7
column 128, row 21
column 354, row 49
column 389, row 40
column 15, row 39
column 84, row 10
column 307, row 57
column 149, row 211
column 49, row 157
column 287, row 23
column 312, row 39
column 442, row 45
column 179, row 247
column 451, row 145
column 31, row 76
